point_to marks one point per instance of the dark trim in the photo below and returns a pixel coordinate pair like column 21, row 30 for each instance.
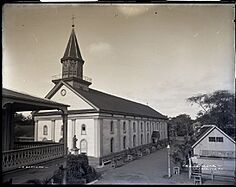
column 208, row 132
column 203, row 136
column 76, row 79
column 130, row 114
column 72, row 58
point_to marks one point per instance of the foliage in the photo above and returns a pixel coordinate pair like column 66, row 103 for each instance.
column 20, row 119
column 217, row 108
column 38, row 181
column 23, row 131
column 77, row 169
column 182, row 124
column 180, row 155
column 23, row 126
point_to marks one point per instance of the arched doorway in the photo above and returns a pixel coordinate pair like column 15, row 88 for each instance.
column 83, row 146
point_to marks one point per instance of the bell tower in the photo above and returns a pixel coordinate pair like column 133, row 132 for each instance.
column 72, row 64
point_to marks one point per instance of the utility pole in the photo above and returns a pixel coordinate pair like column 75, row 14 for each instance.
column 168, row 150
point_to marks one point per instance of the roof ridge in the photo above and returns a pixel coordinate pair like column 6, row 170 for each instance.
column 119, row 97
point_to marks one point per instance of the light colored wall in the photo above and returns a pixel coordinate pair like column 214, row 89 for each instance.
column 107, row 135
column 119, row 134
column 41, row 123
column 101, row 135
column 89, row 137
column 75, row 102
column 226, row 145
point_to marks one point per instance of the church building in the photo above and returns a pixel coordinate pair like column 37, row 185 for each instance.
column 103, row 124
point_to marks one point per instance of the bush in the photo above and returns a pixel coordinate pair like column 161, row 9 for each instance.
column 78, row 171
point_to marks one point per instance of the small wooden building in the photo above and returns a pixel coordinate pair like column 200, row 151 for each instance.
column 214, row 150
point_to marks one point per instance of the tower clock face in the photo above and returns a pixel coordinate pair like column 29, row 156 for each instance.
column 63, row 92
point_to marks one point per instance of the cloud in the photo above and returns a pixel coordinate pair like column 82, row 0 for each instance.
column 132, row 10
column 99, row 47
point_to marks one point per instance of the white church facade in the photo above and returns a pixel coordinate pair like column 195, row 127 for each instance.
column 103, row 124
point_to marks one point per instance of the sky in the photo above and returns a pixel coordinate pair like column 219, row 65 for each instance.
column 157, row 55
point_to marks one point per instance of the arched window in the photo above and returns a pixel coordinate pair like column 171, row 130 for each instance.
column 83, row 129
column 44, row 139
column 141, row 126
column 147, row 126
column 134, row 140
column 124, row 127
column 111, row 145
column 134, row 127
column 112, row 128
column 124, row 142
column 61, row 140
column 45, row 130
column 148, row 138
column 83, row 146
column 141, row 139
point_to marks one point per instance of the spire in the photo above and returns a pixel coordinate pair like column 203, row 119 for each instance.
column 72, row 49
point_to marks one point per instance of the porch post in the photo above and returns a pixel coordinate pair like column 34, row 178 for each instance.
column 65, row 121
column 36, row 130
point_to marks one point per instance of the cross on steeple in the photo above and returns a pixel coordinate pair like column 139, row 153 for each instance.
column 73, row 19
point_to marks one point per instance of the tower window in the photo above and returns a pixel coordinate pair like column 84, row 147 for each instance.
column 45, row 130
column 83, row 129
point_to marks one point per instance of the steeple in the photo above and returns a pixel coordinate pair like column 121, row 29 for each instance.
column 72, row 50
column 72, row 63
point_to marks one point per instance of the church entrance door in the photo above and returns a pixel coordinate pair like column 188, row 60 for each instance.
column 83, row 146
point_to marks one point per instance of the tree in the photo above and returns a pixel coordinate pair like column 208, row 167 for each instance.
column 182, row 124
column 23, row 126
column 217, row 108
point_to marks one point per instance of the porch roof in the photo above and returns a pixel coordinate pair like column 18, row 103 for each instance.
column 26, row 102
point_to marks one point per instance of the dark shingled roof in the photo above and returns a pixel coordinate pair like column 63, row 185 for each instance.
column 72, row 49
column 107, row 102
column 203, row 131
